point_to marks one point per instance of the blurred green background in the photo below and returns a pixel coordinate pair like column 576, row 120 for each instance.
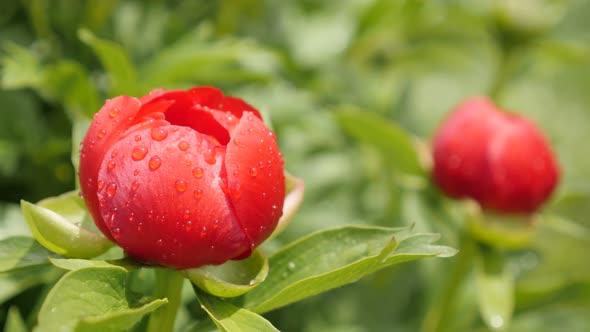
column 353, row 89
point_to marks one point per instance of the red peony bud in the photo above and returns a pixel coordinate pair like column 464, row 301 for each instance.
column 182, row 178
column 497, row 158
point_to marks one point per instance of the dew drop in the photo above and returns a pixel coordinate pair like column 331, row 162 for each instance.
column 116, row 231
column 180, row 185
column 113, row 113
column 111, row 189
column 203, row 231
column 253, row 171
column 155, row 163
column 134, row 185
column 139, row 152
column 183, row 145
column 131, row 217
column 291, row 265
column 102, row 202
column 101, row 133
column 160, row 243
column 186, row 214
column 210, row 157
column 111, row 164
column 137, row 138
column 136, row 172
column 188, row 226
column 114, row 153
column 236, row 141
column 198, row 193
column 100, row 185
column 158, row 133
column 263, row 195
column 198, row 172
column 250, row 118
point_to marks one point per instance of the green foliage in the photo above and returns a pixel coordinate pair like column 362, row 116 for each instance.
column 93, row 299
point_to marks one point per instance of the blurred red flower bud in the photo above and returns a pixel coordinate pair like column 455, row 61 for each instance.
column 182, row 178
column 497, row 158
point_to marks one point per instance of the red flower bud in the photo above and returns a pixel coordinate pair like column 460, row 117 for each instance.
column 182, row 178
column 499, row 159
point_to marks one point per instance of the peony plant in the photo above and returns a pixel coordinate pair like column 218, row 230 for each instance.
column 187, row 185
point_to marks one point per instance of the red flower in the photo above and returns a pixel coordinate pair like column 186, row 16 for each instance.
column 182, row 178
column 497, row 158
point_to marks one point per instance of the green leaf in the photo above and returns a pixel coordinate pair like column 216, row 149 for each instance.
column 495, row 295
column 76, row 264
column 332, row 258
column 293, row 200
column 116, row 62
column 57, row 224
column 93, row 299
column 392, row 141
column 70, row 84
column 219, row 61
column 20, row 68
column 21, row 251
column 229, row 318
column 17, row 281
column 14, row 321
column 232, row 278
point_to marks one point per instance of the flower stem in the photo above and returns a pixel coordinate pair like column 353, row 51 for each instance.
column 436, row 316
column 169, row 284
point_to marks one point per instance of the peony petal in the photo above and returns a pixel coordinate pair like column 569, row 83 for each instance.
column 170, row 179
column 109, row 123
column 255, row 177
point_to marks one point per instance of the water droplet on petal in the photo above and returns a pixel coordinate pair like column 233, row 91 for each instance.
column 139, row 152
column 102, row 202
column 114, row 153
column 113, row 113
column 203, row 231
column 198, row 193
column 136, row 172
column 263, row 195
column 134, row 185
column 186, row 214
column 198, row 172
column 100, row 185
column 253, row 171
column 180, row 185
column 236, row 141
column 137, row 138
column 155, row 163
column 158, row 133
column 160, row 243
column 183, row 145
column 111, row 189
column 111, row 164
column 101, row 133
column 210, row 157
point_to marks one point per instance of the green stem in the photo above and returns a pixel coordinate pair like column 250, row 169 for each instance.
column 439, row 311
column 169, row 284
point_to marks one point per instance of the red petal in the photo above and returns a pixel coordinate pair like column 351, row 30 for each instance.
column 255, row 178
column 175, row 214
column 111, row 121
column 524, row 170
